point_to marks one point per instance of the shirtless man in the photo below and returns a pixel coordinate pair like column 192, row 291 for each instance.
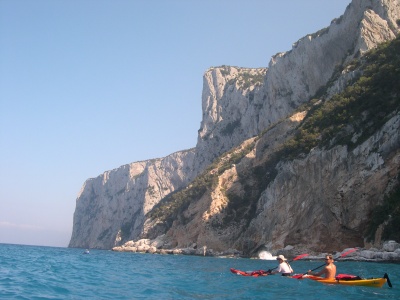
column 329, row 271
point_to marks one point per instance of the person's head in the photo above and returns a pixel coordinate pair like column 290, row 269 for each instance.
column 329, row 259
column 280, row 258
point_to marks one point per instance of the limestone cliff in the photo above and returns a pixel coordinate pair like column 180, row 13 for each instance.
column 238, row 105
column 321, row 201
column 298, row 182
column 111, row 208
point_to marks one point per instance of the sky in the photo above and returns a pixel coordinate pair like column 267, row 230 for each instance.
column 87, row 86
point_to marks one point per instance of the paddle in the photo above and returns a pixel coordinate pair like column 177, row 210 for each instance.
column 296, row 258
column 262, row 272
column 298, row 276
column 387, row 279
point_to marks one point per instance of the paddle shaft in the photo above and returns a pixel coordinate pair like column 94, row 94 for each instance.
column 296, row 258
column 316, row 268
column 343, row 255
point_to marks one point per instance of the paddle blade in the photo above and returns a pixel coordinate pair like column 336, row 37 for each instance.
column 348, row 252
column 298, row 276
column 387, row 279
column 300, row 256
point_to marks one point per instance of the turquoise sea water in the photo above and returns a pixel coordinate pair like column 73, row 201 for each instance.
column 30, row 272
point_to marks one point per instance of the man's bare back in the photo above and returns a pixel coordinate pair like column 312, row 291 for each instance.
column 329, row 271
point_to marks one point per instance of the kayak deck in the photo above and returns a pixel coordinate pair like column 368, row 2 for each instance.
column 250, row 273
column 372, row 282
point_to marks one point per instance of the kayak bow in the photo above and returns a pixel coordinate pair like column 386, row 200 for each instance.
column 252, row 273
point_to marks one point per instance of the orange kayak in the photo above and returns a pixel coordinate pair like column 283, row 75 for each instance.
column 372, row 282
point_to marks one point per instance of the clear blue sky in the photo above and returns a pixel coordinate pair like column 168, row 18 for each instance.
column 87, row 86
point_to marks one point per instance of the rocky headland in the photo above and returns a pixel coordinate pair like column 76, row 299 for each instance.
column 302, row 157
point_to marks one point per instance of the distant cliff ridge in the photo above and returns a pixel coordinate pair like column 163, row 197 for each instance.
column 244, row 186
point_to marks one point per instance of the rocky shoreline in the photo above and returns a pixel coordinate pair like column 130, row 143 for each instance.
column 389, row 252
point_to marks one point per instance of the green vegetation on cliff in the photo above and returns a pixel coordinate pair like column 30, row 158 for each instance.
column 171, row 207
column 348, row 118
column 360, row 110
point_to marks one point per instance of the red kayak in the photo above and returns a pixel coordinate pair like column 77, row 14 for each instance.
column 250, row 273
column 262, row 272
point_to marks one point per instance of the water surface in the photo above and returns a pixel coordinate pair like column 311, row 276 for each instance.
column 31, row 272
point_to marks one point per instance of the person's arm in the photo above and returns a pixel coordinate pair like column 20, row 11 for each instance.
column 277, row 270
column 274, row 271
column 290, row 268
column 323, row 271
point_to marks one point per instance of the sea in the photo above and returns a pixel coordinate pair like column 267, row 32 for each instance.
column 37, row 272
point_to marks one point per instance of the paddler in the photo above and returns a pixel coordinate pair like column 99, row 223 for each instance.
column 283, row 266
column 329, row 271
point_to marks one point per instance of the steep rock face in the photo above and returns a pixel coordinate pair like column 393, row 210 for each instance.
column 110, row 208
column 333, row 190
column 233, row 112
column 320, row 202
column 238, row 103
column 208, row 214
column 227, row 101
